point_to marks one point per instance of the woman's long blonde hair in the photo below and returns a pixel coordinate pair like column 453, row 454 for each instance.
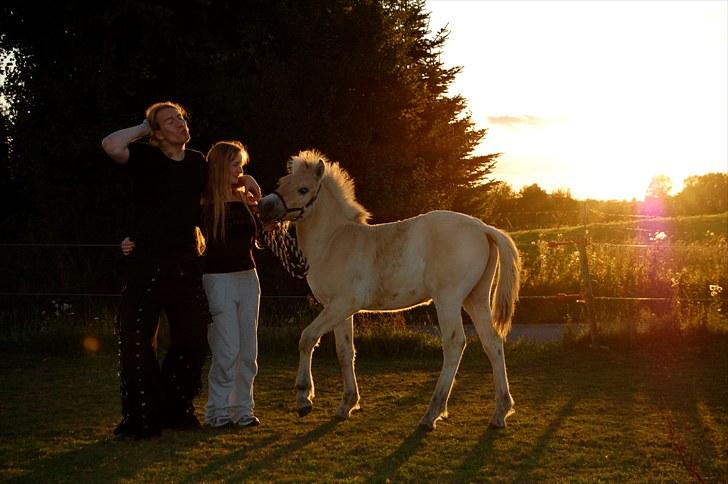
column 219, row 185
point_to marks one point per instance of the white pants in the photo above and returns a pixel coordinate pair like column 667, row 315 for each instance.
column 234, row 299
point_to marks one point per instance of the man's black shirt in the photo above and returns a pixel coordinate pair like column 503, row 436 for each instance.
column 165, row 201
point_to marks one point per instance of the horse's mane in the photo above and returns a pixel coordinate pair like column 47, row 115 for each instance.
column 336, row 180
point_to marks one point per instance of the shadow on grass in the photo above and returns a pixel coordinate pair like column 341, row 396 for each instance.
column 397, row 458
column 218, row 467
column 539, row 448
column 254, row 468
column 474, row 461
column 689, row 396
column 105, row 460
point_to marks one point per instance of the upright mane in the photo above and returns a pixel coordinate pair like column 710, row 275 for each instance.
column 336, row 180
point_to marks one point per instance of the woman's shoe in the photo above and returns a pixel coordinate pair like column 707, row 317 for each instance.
column 250, row 421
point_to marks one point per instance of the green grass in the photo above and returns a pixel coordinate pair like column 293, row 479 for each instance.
column 652, row 409
column 657, row 413
column 625, row 263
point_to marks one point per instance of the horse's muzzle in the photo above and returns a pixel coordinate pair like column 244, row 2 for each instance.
column 271, row 208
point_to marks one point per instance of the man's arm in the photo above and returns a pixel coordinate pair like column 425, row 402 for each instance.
column 116, row 145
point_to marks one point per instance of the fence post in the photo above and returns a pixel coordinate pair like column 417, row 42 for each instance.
column 586, row 287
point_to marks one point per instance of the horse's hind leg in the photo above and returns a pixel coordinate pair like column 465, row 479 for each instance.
column 479, row 311
column 453, row 345
column 328, row 319
column 344, row 334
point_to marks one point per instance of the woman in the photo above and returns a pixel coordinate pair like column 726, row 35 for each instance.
column 231, row 282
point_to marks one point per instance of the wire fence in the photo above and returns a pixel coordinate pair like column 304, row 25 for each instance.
column 584, row 297
column 578, row 297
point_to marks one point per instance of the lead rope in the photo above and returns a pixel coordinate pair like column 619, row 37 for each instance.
column 285, row 246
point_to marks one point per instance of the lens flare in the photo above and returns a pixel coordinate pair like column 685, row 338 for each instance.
column 91, row 344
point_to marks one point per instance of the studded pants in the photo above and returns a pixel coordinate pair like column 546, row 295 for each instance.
column 153, row 398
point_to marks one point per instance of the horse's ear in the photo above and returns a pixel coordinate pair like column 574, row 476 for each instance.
column 289, row 165
column 320, row 167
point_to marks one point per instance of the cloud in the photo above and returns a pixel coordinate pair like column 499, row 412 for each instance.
column 526, row 119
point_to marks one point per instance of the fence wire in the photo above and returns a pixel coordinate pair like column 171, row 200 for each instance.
column 560, row 297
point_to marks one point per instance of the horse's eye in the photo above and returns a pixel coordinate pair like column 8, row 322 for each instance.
column 303, row 190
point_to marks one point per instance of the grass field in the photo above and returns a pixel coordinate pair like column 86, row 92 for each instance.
column 654, row 411
column 657, row 413
column 668, row 259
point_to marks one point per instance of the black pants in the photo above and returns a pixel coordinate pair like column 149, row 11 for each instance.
column 154, row 398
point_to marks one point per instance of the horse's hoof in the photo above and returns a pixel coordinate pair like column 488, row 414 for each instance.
column 344, row 412
column 426, row 427
column 497, row 425
column 497, row 422
column 303, row 411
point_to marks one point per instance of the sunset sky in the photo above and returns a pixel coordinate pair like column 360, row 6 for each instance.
column 596, row 97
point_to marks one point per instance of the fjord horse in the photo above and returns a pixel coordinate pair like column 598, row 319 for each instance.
column 445, row 257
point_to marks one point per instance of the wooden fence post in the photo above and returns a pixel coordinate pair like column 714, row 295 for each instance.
column 586, row 287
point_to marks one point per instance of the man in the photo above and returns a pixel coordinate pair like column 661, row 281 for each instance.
column 163, row 273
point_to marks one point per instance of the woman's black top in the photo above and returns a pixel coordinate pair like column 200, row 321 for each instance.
column 165, row 201
column 235, row 253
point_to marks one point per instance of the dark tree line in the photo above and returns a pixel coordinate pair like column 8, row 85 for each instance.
column 359, row 80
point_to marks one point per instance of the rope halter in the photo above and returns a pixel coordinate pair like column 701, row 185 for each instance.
column 300, row 210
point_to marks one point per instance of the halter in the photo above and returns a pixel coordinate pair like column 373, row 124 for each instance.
column 300, row 210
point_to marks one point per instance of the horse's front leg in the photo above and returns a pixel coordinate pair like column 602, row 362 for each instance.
column 344, row 334
column 330, row 317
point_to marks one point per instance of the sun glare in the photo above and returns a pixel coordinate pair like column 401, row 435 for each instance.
column 596, row 97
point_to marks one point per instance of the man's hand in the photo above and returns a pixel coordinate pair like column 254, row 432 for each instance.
column 127, row 246
column 145, row 128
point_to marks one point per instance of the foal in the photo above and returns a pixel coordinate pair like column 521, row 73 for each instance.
column 445, row 257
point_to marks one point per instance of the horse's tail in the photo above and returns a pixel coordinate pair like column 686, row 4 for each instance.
column 509, row 270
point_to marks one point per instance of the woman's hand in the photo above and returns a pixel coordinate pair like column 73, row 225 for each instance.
column 252, row 189
column 127, row 246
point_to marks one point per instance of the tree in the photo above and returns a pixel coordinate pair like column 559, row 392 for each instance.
column 660, row 187
column 703, row 194
column 500, row 203
column 361, row 80
column 657, row 200
column 474, row 197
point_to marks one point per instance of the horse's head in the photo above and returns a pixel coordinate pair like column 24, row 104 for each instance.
column 297, row 191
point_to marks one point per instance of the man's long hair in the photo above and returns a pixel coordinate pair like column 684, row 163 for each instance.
column 151, row 115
